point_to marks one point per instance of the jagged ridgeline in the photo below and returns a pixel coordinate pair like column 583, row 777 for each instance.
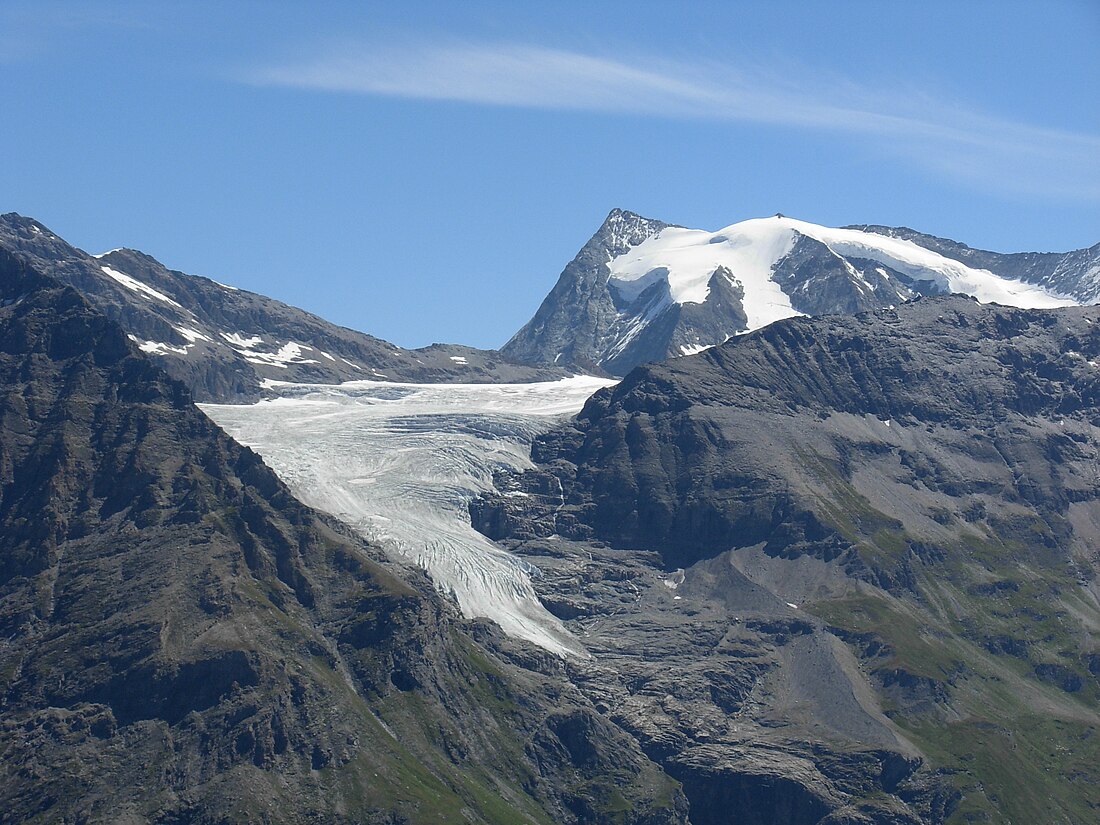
column 225, row 343
column 183, row 641
column 846, row 566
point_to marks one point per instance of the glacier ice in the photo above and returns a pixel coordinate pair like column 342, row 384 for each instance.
column 400, row 463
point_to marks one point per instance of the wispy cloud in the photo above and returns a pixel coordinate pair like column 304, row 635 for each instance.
column 953, row 140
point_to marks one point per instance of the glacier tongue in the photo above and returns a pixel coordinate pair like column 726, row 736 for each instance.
column 400, row 463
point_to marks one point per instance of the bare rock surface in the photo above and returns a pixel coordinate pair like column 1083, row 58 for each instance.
column 225, row 343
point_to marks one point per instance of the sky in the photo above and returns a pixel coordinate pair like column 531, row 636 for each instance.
column 423, row 171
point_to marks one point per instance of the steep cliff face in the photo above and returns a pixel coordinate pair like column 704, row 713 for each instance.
column 578, row 323
column 843, row 550
column 183, row 641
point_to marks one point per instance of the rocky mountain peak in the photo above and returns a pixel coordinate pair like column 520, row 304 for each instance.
column 622, row 230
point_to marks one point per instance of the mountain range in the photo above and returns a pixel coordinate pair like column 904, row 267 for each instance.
column 826, row 554
column 184, row 641
column 642, row 290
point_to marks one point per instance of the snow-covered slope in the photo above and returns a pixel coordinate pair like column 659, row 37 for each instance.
column 401, row 462
column 661, row 291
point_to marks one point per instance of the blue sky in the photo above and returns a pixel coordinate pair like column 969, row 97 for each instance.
column 423, row 171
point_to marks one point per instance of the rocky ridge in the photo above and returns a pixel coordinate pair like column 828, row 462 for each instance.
column 223, row 342
column 1076, row 273
column 641, row 291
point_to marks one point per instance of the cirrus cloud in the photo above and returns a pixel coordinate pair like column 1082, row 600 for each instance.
column 944, row 137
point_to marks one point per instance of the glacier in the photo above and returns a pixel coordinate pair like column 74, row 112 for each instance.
column 400, row 464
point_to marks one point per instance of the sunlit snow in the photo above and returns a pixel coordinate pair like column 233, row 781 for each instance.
column 192, row 335
column 137, row 286
column 288, row 353
column 238, row 340
column 401, row 462
column 687, row 259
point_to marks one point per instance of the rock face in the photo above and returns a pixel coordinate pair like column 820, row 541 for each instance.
column 183, row 641
column 841, row 569
column 224, row 342
column 642, row 291
column 578, row 321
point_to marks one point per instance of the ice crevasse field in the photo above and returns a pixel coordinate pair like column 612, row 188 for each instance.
column 401, row 462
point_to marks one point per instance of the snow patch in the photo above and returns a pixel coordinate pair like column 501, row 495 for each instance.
column 137, row 286
column 239, row 341
column 287, row 354
column 694, row 349
column 192, row 335
column 160, row 348
column 459, row 359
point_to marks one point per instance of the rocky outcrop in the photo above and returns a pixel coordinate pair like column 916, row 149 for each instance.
column 834, row 566
column 183, row 641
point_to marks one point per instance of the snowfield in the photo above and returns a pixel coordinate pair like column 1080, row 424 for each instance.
column 400, row 463
column 750, row 250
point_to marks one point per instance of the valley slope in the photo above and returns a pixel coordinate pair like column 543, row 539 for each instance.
column 224, row 342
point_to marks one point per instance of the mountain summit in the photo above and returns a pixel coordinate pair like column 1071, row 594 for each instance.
column 641, row 290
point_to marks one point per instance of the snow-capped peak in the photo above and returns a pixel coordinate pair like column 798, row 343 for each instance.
column 688, row 258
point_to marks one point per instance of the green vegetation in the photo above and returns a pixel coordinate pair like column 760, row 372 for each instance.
column 983, row 623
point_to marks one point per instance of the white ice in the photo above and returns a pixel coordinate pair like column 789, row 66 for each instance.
column 401, row 462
